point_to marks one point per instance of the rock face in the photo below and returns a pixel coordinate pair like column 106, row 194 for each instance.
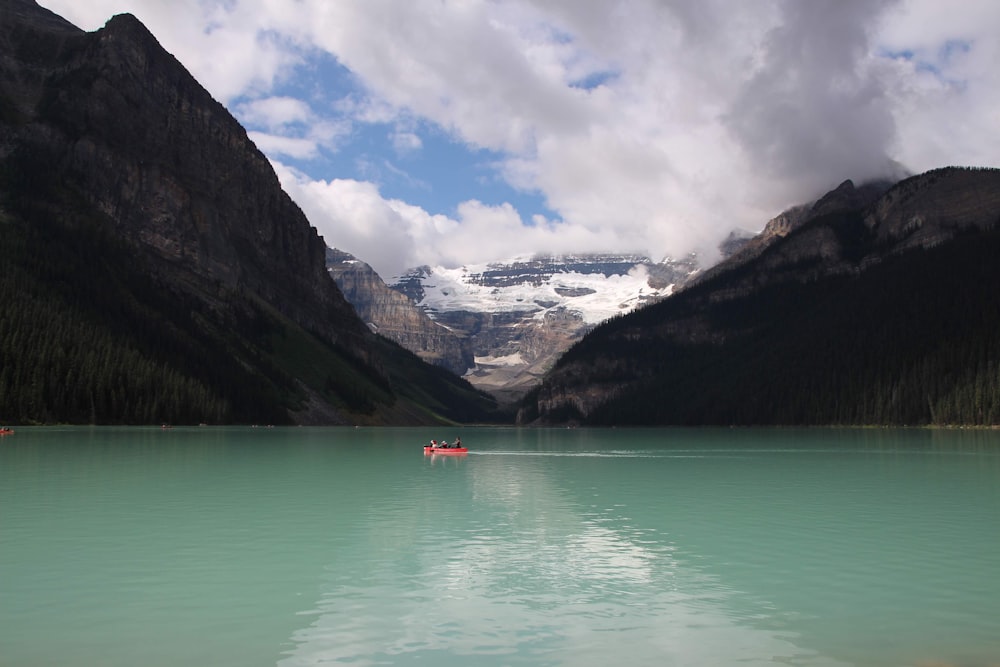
column 107, row 130
column 846, row 197
column 131, row 131
column 391, row 313
column 932, row 208
column 513, row 349
column 502, row 325
column 823, row 316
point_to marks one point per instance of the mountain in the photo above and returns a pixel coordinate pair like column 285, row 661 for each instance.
column 154, row 270
column 392, row 314
column 503, row 324
column 873, row 305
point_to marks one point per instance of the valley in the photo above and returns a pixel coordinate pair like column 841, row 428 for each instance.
column 502, row 325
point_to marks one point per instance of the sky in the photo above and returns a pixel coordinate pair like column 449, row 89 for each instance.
column 449, row 132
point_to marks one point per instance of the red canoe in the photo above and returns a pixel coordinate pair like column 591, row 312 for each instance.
column 445, row 450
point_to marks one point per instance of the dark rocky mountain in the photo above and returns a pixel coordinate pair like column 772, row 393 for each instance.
column 154, row 270
column 874, row 305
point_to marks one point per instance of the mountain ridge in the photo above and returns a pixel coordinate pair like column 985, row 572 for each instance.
column 179, row 250
column 818, row 325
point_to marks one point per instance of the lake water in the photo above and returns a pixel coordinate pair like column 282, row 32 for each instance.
column 301, row 546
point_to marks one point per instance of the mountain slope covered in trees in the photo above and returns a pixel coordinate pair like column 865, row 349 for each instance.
column 154, row 270
column 879, row 313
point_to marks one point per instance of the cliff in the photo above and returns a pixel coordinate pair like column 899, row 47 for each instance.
column 391, row 314
column 124, row 125
column 107, row 142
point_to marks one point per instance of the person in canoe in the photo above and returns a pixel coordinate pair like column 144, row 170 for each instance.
column 458, row 441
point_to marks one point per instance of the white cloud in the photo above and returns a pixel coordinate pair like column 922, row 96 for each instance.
column 392, row 235
column 814, row 110
column 292, row 128
column 655, row 125
column 406, row 142
column 275, row 112
column 352, row 216
column 274, row 144
column 945, row 98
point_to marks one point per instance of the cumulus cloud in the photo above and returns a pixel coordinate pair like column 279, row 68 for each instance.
column 817, row 97
column 406, row 142
column 276, row 112
column 945, row 90
column 290, row 127
column 651, row 125
column 392, row 235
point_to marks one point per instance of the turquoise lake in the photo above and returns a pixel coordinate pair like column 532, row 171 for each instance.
column 576, row 547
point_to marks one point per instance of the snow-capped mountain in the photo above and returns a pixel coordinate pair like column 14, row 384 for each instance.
column 595, row 287
column 520, row 315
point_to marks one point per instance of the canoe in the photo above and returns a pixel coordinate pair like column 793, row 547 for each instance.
column 445, row 450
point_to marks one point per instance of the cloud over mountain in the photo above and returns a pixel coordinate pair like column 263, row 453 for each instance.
column 450, row 132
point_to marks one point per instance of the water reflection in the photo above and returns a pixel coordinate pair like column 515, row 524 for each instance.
column 500, row 564
column 298, row 546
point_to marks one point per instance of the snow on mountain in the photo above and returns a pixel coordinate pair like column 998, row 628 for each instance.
column 520, row 315
column 594, row 296
column 594, row 287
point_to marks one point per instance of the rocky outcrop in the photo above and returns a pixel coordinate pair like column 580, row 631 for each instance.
column 931, row 208
column 852, row 228
column 392, row 314
column 845, row 197
column 513, row 351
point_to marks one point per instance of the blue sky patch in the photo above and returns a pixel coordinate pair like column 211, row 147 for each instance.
column 409, row 159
